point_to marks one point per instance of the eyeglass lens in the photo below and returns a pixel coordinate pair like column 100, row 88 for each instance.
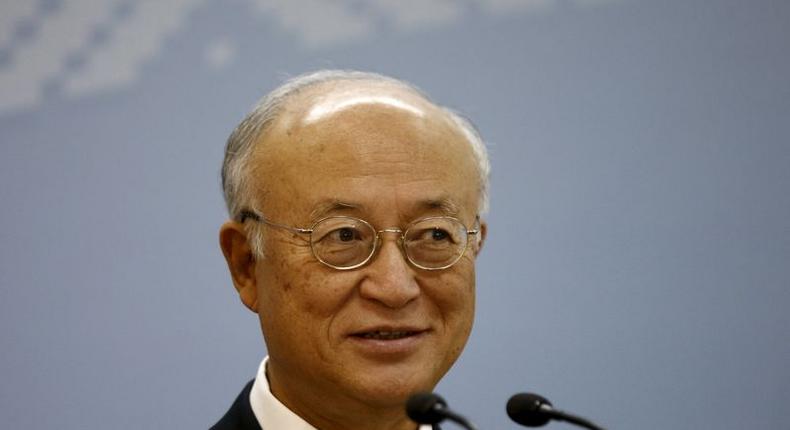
column 344, row 242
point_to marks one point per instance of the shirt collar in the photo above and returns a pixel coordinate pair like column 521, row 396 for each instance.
column 271, row 413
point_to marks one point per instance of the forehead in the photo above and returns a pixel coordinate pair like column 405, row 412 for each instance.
column 355, row 141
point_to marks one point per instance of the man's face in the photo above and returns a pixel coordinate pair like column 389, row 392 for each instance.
column 385, row 156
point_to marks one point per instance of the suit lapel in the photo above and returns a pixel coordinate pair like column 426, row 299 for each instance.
column 240, row 415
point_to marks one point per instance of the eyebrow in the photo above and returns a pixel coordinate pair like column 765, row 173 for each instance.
column 444, row 205
column 325, row 208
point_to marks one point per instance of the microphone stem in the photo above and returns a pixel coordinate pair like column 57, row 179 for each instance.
column 573, row 419
column 459, row 419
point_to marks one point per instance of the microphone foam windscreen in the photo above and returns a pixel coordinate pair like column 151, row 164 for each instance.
column 424, row 408
column 524, row 408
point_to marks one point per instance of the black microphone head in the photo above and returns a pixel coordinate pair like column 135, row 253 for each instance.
column 425, row 408
column 525, row 409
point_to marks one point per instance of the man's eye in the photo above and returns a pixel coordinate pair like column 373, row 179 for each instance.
column 345, row 234
column 438, row 234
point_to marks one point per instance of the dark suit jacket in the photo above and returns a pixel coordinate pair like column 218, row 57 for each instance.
column 241, row 417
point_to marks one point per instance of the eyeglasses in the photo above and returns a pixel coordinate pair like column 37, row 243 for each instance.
column 345, row 243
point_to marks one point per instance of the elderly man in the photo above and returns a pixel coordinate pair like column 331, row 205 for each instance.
column 355, row 207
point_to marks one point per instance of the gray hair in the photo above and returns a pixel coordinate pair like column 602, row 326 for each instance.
column 239, row 148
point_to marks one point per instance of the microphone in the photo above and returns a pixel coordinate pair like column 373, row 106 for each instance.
column 430, row 408
column 533, row 410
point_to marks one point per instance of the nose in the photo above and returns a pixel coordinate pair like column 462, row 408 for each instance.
column 390, row 279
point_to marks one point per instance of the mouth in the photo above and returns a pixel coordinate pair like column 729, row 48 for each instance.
column 389, row 343
column 387, row 334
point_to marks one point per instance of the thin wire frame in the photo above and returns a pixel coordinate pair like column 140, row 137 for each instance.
column 249, row 214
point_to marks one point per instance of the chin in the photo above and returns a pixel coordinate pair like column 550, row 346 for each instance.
column 385, row 389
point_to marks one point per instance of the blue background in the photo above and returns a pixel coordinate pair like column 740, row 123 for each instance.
column 637, row 269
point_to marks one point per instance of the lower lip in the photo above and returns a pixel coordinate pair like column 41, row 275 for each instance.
column 389, row 347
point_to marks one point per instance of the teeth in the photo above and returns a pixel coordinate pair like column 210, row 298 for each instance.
column 387, row 335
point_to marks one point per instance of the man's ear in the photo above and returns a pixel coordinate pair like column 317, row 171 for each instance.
column 241, row 262
column 482, row 237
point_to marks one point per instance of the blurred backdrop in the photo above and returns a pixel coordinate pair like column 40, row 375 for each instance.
column 638, row 265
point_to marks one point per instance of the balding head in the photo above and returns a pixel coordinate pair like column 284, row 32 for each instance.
column 317, row 86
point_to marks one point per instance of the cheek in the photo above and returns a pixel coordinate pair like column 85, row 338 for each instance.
column 305, row 289
column 454, row 296
column 454, row 300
